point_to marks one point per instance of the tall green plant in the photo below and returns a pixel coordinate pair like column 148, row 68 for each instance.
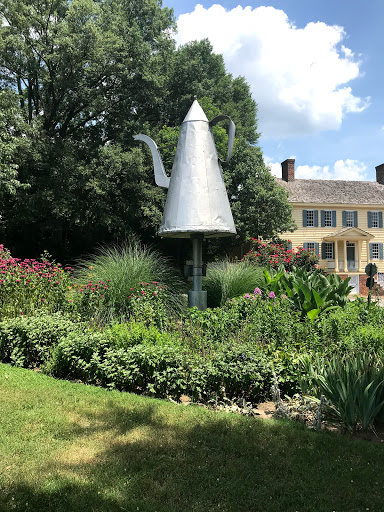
column 121, row 271
column 310, row 293
column 353, row 385
column 226, row 280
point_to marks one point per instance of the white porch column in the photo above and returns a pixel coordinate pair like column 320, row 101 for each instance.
column 336, row 256
column 345, row 256
column 359, row 246
column 367, row 247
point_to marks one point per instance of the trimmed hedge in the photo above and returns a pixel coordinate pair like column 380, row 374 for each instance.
column 162, row 370
column 29, row 341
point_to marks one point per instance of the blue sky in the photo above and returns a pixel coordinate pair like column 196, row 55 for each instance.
column 316, row 70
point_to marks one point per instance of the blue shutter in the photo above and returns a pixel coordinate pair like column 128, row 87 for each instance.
column 304, row 218
column 305, row 245
column 369, row 219
column 344, row 219
column 355, row 219
column 370, row 252
column 316, row 217
column 380, row 251
column 322, row 213
column 323, row 251
column 289, row 245
column 380, row 219
column 333, row 218
column 317, row 248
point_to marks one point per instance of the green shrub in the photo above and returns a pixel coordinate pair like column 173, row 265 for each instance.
column 161, row 370
column 354, row 386
column 226, row 280
column 234, row 373
column 137, row 333
column 115, row 279
column 29, row 341
column 277, row 254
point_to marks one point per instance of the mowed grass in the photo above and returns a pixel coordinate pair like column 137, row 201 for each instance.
column 67, row 447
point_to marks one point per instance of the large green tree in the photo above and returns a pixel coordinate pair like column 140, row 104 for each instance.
column 87, row 75
column 79, row 78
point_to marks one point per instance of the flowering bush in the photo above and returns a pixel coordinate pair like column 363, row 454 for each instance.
column 276, row 254
column 29, row 285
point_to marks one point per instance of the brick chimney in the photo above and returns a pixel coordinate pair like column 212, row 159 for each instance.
column 380, row 174
column 288, row 170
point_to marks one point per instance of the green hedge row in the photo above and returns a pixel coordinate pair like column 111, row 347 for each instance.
column 230, row 351
column 68, row 350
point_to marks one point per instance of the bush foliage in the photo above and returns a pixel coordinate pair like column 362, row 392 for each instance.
column 231, row 352
column 279, row 254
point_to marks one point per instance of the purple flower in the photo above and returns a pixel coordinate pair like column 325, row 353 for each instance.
column 257, row 291
column 247, row 296
column 271, row 295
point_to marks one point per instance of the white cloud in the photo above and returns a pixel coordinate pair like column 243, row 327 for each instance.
column 274, row 167
column 342, row 170
column 298, row 76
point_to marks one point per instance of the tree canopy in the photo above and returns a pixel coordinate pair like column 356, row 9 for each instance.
column 77, row 79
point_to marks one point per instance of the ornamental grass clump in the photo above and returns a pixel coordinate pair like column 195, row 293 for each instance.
column 117, row 280
column 30, row 285
column 226, row 280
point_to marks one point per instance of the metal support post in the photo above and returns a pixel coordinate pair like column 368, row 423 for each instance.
column 197, row 297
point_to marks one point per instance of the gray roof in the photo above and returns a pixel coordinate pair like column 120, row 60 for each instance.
column 334, row 191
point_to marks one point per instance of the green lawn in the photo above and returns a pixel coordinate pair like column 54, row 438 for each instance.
column 67, row 447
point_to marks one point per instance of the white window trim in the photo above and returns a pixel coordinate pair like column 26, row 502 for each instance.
column 330, row 220
column 378, row 250
column 313, row 218
column 332, row 250
column 353, row 218
column 378, row 219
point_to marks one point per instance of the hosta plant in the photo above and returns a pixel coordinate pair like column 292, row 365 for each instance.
column 310, row 293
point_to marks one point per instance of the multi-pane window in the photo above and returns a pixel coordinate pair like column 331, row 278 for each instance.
column 310, row 245
column 375, row 219
column 374, row 251
column 349, row 217
column 328, row 251
column 310, row 218
column 328, row 218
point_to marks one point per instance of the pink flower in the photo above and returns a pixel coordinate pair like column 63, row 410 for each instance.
column 271, row 295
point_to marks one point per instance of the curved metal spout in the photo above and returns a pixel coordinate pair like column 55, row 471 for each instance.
column 161, row 179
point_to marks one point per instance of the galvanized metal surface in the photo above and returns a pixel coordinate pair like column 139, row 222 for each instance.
column 161, row 179
column 197, row 201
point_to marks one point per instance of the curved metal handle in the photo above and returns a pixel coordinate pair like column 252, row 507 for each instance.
column 161, row 179
column 231, row 134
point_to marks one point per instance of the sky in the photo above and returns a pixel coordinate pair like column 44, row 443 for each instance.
column 315, row 69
